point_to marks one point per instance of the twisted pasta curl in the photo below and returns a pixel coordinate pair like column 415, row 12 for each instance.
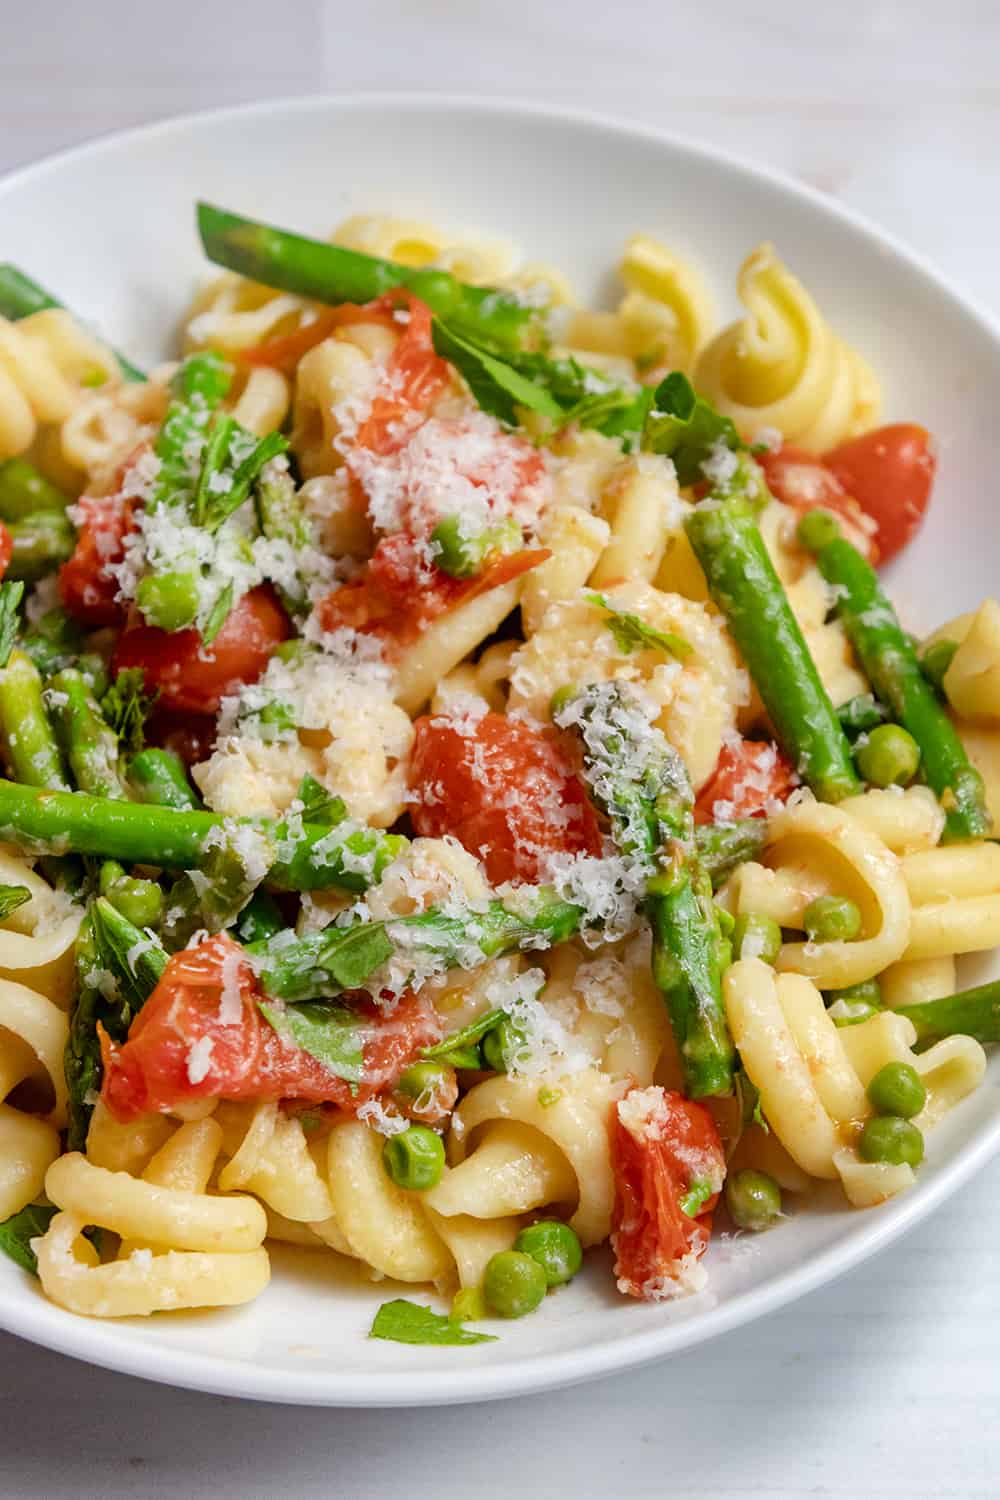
column 106, row 426
column 972, row 681
column 270, row 1158
column 473, row 258
column 334, row 384
column 663, row 319
column 815, row 850
column 515, row 1146
column 232, row 314
column 33, row 1034
column 193, row 1249
column 696, row 699
column 955, row 897
column 783, row 366
column 36, row 940
column 642, row 504
column 47, row 362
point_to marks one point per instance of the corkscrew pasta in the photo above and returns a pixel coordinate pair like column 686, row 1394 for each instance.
column 470, row 800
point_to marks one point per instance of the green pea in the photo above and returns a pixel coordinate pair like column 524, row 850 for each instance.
column 169, row 600
column 889, row 756
column 556, row 1248
column 897, row 1089
column 831, row 919
column 816, row 529
column 423, row 1082
column 935, row 661
column 753, row 1199
column 514, row 1284
column 462, row 555
column 414, row 1159
column 757, row 936
column 887, row 1138
column 139, row 901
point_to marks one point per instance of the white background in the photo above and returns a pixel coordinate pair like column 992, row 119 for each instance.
column 887, row 1383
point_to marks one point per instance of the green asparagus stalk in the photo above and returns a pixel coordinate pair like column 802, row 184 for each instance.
column 158, row 777
column 281, row 518
column 745, row 586
column 260, row 919
column 326, row 964
column 969, row 1013
column 890, row 663
column 40, row 543
column 641, row 784
column 88, row 742
column 30, row 747
column 11, row 595
column 24, row 491
column 20, row 297
column 318, row 858
column 213, row 896
column 723, row 846
column 332, row 274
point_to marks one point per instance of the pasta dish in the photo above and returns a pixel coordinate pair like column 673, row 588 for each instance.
column 470, row 798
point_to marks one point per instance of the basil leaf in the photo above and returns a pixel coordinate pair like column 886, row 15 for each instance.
column 631, row 632
column 407, row 1322
column 319, row 805
column 329, row 1033
column 11, row 897
column 685, row 427
column 469, row 1035
column 498, row 387
column 17, row 1233
column 11, row 595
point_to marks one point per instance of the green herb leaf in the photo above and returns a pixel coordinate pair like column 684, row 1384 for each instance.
column 498, row 387
column 685, row 427
column 631, row 632
column 329, row 1033
column 407, row 1322
column 11, row 897
column 11, row 595
column 696, row 1197
column 137, row 959
column 212, row 464
column 217, row 616
column 615, row 413
column 469, row 1036
column 17, row 1233
column 319, row 805
column 126, row 706
column 224, row 502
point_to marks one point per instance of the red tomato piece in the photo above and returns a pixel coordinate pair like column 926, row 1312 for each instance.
column 662, row 1147
column 202, row 1035
column 400, row 594
column 890, row 472
column 749, row 777
column 6, row 549
column 191, row 736
column 285, row 351
column 414, row 377
column 195, row 678
column 802, row 481
column 503, row 789
column 87, row 589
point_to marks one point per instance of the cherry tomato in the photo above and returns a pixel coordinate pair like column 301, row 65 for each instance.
column 890, row 472
column 503, row 789
column 400, row 593
column 87, row 589
column 6, row 548
column 195, row 678
column 203, row 1019
column 749, row 777
column 666, row 1156
column 802, row 481
column 414, row 377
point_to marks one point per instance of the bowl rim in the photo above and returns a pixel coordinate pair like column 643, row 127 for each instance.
column 32, row 1318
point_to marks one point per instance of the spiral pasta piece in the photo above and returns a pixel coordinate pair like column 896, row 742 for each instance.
column 36, row 940
column 782, row 366
column 414, row 242
column 47, row 362
column 273, row 1161
column 232, row 314
column 955, row 896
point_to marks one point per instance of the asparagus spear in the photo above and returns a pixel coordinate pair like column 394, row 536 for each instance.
column 325, row 964
column 29, row 742
column 158, row 777
column 318, row 858
column 641, row 783
column 281, row 518
column 745, row 586
column 723, row 846
column 11, row 595
column 23, row 491
column 39, row 544
column 88, row 741
column 891, row 666
column 332, row 274
column 969, row 1013
column 20, row 297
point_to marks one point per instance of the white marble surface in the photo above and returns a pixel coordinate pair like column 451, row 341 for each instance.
column 887, row 1383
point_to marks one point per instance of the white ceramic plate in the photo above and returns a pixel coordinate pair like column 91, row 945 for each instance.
column 110, row 228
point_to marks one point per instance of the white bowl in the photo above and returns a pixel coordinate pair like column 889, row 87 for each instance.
column 110, row 228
